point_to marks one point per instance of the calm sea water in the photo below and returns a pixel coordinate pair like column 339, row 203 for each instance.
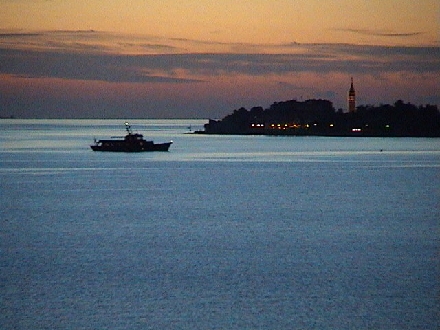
column 221, row 232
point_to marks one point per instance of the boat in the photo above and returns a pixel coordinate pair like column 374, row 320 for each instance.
column 132, row 142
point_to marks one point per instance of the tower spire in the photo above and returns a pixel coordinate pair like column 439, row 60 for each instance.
column 351, row 98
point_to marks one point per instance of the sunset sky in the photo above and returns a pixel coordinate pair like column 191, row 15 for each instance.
column 204, row 58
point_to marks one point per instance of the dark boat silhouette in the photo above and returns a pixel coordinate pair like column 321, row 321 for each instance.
column 132, row 142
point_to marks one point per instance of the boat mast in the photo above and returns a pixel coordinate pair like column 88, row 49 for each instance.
column 128, row 128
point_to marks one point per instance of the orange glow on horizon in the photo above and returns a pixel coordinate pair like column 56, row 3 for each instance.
column 349, row 21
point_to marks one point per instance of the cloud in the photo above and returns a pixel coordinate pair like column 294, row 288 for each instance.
column 380, row 33
column 191, row 67
column 109, row 68
column 5, row 35
column 91, row 55
column 89, row 41
column 93, row 73
column 292, row 86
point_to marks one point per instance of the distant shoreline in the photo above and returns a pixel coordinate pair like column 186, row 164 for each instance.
column 319, row 118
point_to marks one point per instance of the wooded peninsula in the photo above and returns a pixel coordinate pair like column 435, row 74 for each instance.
column 319, row 117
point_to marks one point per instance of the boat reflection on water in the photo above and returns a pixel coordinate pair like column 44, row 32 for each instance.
column 133, row 142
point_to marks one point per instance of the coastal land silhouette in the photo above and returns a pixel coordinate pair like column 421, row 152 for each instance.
column 319, row 117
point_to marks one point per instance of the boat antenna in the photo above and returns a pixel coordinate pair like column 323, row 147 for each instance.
column 128, row 128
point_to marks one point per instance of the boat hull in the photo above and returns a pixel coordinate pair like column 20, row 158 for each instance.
column 126, row 147
column 132, row 142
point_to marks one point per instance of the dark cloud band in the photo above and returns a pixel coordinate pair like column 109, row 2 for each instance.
column 163, row 68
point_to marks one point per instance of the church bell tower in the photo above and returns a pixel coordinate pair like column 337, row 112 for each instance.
column 351, row 98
